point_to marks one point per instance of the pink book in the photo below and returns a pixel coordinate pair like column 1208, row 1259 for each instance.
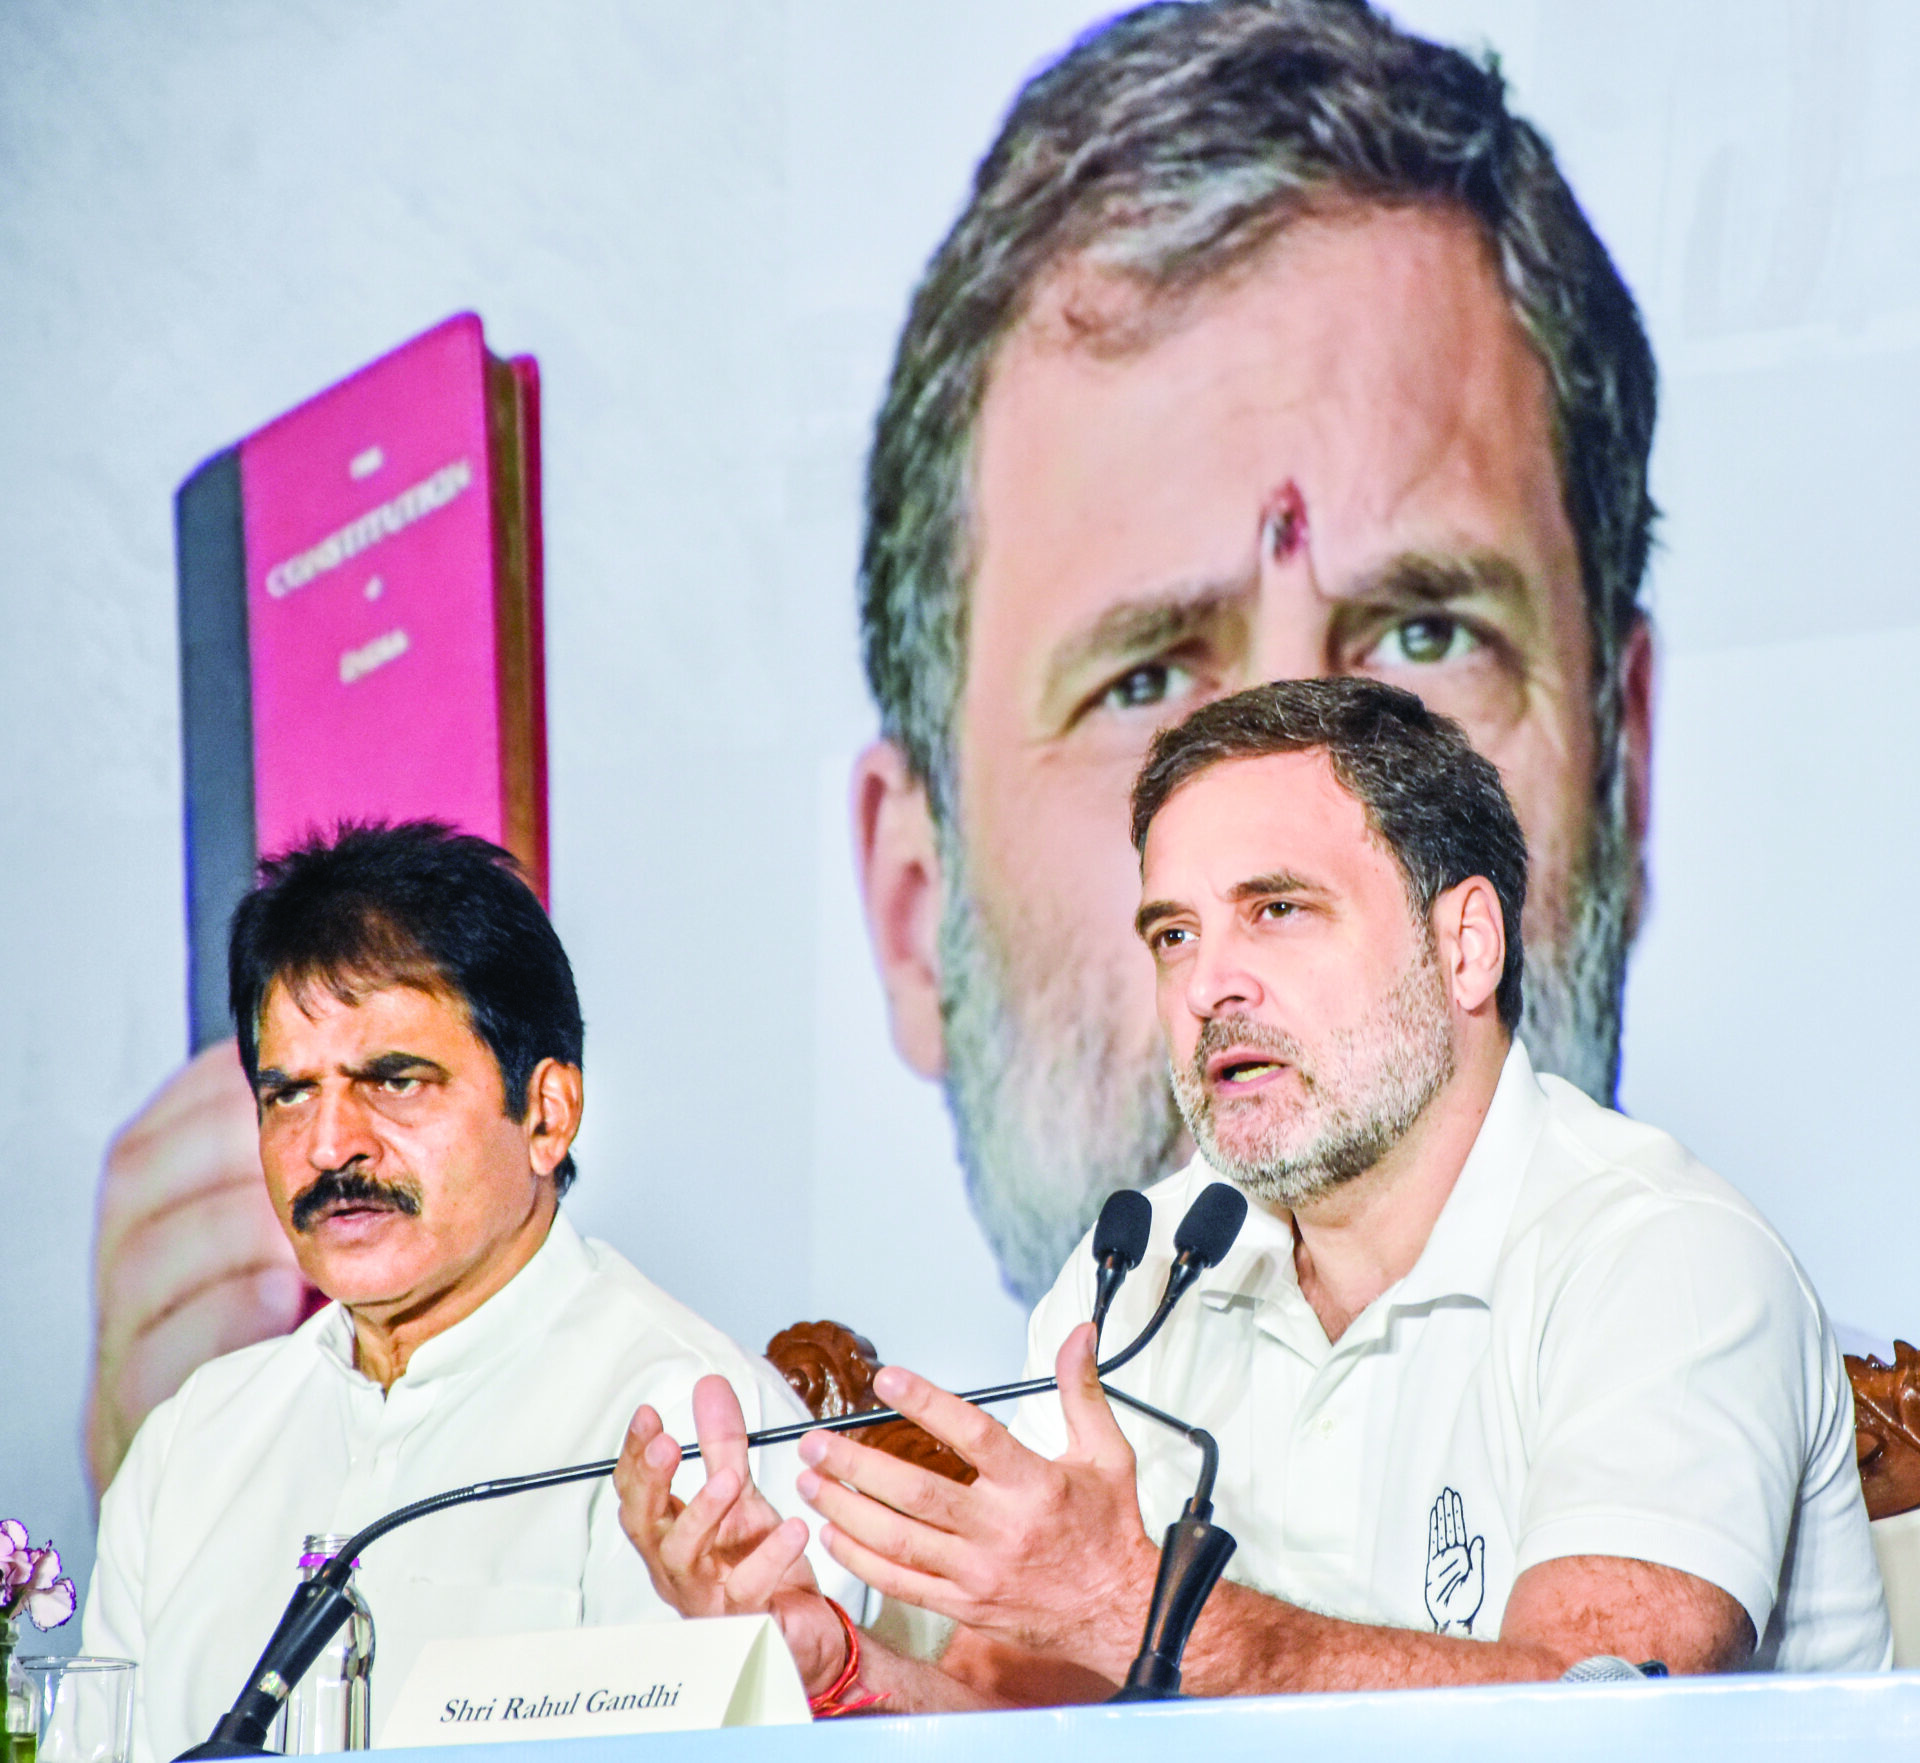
column 360, row 625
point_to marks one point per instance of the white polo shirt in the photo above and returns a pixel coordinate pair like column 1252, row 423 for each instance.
column 1603, row 1349
column 201, row 1530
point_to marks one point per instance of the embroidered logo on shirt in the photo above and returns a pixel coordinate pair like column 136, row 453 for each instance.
column 1456, row 1568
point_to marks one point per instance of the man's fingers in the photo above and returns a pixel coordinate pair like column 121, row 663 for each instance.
column 720, row 1426
column 644, row 1479
column 210, row 1080
column 233, row 1310
column 201, row 1131
column 752, row 1582
column 923, row 1590
column 976, row 1435
column 1093, row 1435
column 170, row 1258
column 918, row 1493
column 691, row 1535
column 132, row 1376
column 904, row 1541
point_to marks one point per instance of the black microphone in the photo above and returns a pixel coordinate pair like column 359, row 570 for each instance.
column 1119, row 1241
column 1201, row 1240
column 320, row 1607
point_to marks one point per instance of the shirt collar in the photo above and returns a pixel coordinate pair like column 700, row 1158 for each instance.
column 1462, row 1250
column 557, row 1268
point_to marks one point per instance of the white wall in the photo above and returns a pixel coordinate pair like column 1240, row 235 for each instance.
column 704, row 221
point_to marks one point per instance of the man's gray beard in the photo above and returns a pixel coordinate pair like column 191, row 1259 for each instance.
column 1362, row 1089
column 1570, row 1014
column 1052, row 1112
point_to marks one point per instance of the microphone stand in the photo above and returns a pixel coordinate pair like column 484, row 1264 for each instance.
column 320, row 1607
column 1192, row 1557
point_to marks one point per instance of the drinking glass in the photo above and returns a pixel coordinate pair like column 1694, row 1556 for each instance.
column 85, row 1708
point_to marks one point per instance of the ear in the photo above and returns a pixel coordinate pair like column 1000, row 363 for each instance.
column 1636, row 752
column 555, row 1098
column 1472, row 939
column 898, row 859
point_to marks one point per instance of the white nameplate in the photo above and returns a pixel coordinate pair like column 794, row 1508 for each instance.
column 586, row 1682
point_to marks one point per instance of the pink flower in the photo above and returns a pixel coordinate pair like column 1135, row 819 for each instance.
column 30, row 1579
column 50, row 1599
column 16, row 1559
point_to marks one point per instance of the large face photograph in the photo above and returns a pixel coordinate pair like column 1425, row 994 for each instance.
column 935, row 405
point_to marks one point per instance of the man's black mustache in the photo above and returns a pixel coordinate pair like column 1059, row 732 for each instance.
column 349, row 1186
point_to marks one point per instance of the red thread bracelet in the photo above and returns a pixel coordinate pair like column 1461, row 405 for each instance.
column 828, row 1705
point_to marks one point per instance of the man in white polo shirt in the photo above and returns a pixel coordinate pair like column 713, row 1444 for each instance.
column 1501, row 1379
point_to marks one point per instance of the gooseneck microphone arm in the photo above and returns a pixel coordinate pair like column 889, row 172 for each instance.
column 1197, row 1248
column 320, row 1607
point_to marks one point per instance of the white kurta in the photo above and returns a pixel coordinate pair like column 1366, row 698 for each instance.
column 1603, row 1349
column 201, row 1530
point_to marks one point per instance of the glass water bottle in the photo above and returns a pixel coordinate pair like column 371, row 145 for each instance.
column 330, row 1708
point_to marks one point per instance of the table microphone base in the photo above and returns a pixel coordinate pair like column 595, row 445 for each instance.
column 1191, row 1560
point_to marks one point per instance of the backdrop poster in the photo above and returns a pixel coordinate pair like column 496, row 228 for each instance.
column 706, row 224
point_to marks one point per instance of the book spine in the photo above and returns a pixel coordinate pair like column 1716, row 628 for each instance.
column 526, row 371
column 216, row 730
column 519, row 683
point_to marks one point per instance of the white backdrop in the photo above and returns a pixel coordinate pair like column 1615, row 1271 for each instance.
column 704, row 221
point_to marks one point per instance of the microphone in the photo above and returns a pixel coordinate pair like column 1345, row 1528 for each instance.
column 320, row 1606
column 1610, row 1668
column 1201, row 1240
column 1119, row 1241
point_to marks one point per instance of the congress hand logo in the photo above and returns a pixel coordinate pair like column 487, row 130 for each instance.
column 1456, row 1568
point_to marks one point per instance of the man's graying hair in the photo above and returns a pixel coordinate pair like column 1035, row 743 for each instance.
column 1435, row 803
column 1168, row 147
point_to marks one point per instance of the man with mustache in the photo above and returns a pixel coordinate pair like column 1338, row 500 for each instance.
column 1501, row 1379
column 409, row 1024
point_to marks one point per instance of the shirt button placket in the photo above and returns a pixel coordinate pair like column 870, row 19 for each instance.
column 1323, row 1490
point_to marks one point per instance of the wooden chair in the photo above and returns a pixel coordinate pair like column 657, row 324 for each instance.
column 1886, row 1442
column 1886, row 1430
column 831, row 1370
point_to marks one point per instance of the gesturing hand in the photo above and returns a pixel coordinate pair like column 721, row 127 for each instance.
column 1048, row 1556
column 725, row 1552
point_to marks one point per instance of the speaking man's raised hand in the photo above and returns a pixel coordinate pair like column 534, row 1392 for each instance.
column 1046, row 1557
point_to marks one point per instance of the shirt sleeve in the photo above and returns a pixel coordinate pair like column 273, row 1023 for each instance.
column 1679, row 1381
